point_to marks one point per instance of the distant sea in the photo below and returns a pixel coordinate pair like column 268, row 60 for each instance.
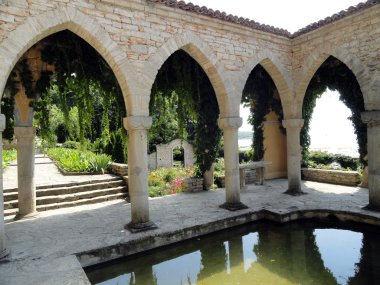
column 245, row 140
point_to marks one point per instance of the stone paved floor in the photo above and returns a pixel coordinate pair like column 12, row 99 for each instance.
column 46, row 173
column 43, row 249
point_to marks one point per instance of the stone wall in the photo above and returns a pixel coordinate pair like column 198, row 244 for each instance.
column 192, row 184
column 349, row 178
column 119, row 168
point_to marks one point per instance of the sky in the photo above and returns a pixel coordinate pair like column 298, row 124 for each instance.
column 293, row 15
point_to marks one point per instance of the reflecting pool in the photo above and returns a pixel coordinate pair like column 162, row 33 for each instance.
column 259, row 253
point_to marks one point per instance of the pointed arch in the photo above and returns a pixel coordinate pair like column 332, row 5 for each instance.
column 38, row 27
column 314, row 62
column 271, row 64
column 205, row 57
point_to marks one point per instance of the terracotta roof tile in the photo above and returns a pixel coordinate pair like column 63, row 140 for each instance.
column 262, row 27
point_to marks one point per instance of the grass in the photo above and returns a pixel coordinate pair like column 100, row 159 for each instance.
column 8, row 157
column 74, row 160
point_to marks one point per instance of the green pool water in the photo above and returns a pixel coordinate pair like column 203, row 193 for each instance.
column 259, row 253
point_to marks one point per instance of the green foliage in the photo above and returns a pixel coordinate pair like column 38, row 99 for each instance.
column 100, row 163
column 246, row 155
column 117, row 146
column 183, row 105
column 8, row 157
column 7, row 108
column 258, row 94
column 335, row 75
column 73, row 160
column 82, row 103
column 71, row 145
column 321, row 159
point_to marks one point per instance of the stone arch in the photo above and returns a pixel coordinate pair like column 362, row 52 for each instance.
column 205, row 57
column 271, row 64
column 312, row 64
column 165, row 153
column 38, row 27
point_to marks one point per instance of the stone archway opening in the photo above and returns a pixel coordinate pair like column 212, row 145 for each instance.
column 266, row 114
column 58, row 74
column 184, row 106
column 334, row 75
column 178, row 156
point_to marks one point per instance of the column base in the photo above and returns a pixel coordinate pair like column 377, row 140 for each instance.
column 294, row 192
column 4, row 253
column 372, row 208
column 26, row 216
column 140, row 227
column 233, row 206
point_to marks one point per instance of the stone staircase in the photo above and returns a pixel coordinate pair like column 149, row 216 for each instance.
column 70, row 194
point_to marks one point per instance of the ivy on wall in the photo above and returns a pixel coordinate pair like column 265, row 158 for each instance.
column 336, row 76
column 258, row 94
column 182, row 94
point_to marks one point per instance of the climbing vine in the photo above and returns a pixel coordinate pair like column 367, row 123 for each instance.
column 183, row 104
column 336, row 76
column 258, row 95
column 81, row 80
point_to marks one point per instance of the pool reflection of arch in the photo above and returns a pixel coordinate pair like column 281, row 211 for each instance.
column 260, row 253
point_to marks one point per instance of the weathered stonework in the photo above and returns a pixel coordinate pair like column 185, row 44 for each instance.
column 349, row 178
column 192, row 184
column 119, row 168
column 136, row 37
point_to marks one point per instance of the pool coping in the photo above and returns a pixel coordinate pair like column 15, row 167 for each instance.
column 131, row 247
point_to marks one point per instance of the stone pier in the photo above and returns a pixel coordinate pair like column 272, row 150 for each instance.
column 137, row 127
column 25, row 172
column 230, row 128
column 372, row 119
column 3, row 250
column 293, row 129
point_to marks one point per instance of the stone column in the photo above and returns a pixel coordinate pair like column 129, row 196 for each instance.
column 230, row 128
column 3, row 250
column 372, row 119
column 293, row 129
column 138, row 172
column 25, row 172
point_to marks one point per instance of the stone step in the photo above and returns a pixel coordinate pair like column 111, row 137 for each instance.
column 9, row 196
column 69, row 184
column 40, row 208
column 54, row 199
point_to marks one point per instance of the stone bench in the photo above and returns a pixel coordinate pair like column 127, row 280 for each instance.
column 259, row 166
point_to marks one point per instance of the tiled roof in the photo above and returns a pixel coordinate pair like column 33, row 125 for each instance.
column 262, row 27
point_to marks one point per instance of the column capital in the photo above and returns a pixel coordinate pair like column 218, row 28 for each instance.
column 293, row 123
column 371, row 118
column 230, row 122
column 2, row 122
column 25, row 132
column 137, row 122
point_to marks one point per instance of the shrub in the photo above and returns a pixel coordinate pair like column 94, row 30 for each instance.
column 155, row 181
column 321, row 159
column 245, row 155
column 170, row 175
column 165, row 181
column 8, row 157
column 71, row 145
column 100, row 163
column 73, row 160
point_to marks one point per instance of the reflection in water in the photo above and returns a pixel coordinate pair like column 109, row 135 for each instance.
column 260, row 253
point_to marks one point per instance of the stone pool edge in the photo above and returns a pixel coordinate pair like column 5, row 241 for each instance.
column 145, row 243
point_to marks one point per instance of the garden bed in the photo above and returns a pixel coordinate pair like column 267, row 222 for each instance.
column 339, row 177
